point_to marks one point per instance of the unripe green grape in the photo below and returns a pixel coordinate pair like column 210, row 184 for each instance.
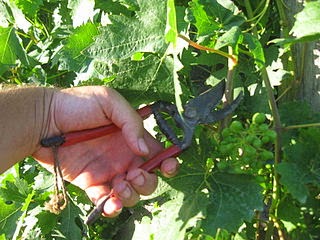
column 259, row 118
column 249, row 150
column 226, row 148
column 250, row 138
column 226, row 133
column 266, row 155
column 268, row 166
column 263, row 127
column 236, row 126
column 257, row 143
column 230, row 139
column 265, row 139
column 271, row 134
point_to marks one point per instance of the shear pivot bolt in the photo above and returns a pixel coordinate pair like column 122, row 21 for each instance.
column 190, row 113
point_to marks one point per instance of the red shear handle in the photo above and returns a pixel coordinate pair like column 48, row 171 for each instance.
column 88, row 134
column 155, row 162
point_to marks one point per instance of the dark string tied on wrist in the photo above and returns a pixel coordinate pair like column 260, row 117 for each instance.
column 58, row 200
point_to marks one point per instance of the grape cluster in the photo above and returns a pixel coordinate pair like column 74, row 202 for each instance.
column 247, row 148
column 98, row 229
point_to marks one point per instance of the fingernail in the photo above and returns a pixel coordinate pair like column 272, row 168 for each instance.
column 125, row 193
column 171, row 168
column 138, row 180
column 143, row 146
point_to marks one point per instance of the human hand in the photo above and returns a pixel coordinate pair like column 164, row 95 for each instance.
column 108, row 162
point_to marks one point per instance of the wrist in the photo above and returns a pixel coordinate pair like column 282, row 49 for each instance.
column 24, row 121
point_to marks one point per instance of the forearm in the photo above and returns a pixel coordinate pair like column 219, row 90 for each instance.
column 23, row 122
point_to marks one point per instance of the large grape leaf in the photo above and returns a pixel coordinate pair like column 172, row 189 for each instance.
column 256, row 49
column 70, row 223
column 71, row 55
column 295, row 179
column 306, row 27
column 11, row 49
column 29, row 8
column 302, row 164
column 234, row 200
column 9, row 215
column 127, row 35
column 5, row 17
column 307, row 24
column 13, row 194
column 210, row 16
column 168, row 221
column 17, row 16
column 140, row 81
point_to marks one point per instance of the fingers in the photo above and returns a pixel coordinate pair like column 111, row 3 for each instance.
column 169, row 167
column 126, row 191
column 143, row 182
column 119, row 111
column 137, row 182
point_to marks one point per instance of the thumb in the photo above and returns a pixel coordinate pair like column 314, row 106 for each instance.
column 119, row 111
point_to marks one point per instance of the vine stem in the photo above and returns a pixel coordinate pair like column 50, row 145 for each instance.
column 277, row 126
column 200, row 47
column 302, row 126
column 229, row 85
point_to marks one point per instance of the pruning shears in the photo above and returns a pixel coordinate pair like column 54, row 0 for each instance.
column 199, row 110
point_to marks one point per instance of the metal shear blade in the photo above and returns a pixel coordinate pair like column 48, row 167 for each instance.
column 197, row 109
column 201, row 110
column 224, row 112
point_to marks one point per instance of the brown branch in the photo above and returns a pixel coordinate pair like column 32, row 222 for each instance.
column 200, row 47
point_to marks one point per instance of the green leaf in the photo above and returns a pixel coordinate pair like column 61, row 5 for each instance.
column 307, row 24
column 301, row 167
column 292, row 216
column 125, row 36
column 198, row 16
column 118, row 7
column 5, row 17
column 170, row 221
column 211, row 16
column 29, row 8
column 16, row 190
column 233, row 201
column 212, row 200
column 11, row 49
column 255, row 49
column 46, row 221
column 229, row 38
column 154, row 84
column 70, row 223
column 171, row 32
column 14, row 195
column 71, row 55
column 294, row 179
column 9, row 215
